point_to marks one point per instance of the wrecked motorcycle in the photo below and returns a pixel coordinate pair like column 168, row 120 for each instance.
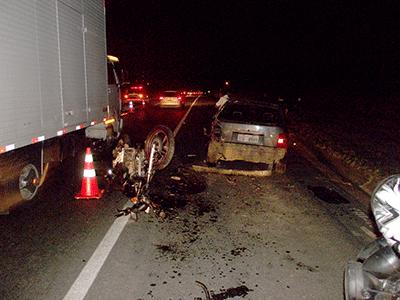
column 134, row 168
column 376, row 272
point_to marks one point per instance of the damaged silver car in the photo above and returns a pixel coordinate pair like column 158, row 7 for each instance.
column 249, row 131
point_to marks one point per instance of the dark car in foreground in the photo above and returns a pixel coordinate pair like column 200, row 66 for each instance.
column 249, row 131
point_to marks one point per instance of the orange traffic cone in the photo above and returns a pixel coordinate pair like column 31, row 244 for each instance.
column 89, row 189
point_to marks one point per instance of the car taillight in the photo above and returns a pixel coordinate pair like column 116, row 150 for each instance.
column 179, row 98
column 282, row 141
column 126, row 96
column 161, row 97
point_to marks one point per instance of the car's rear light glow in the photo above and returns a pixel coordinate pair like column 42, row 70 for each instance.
column 140, row 96
column 161, row 97
column 282, row 141
column 126, row 96
column 179, row 98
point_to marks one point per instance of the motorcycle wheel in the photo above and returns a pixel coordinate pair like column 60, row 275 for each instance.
column 163, row 139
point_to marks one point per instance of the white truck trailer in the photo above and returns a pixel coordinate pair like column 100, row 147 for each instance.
column 53, row 88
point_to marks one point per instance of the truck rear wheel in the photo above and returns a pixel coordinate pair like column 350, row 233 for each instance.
column 19, row 178
column 28, row 182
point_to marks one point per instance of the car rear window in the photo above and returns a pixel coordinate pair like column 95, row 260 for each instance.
column 251, row 114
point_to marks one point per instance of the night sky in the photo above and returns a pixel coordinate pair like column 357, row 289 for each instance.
column 301, row 43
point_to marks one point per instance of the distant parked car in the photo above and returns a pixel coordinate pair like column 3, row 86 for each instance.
column 249, row 131
column 134, row 96
column 171, row 99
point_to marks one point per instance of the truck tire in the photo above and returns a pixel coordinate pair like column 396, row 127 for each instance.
column 164, row 141
column 28, row 182
column 19, row 178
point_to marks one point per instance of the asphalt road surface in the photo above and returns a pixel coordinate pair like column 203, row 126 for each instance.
column 279, row 237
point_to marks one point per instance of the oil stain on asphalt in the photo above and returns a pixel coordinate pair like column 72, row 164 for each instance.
column 171, row 188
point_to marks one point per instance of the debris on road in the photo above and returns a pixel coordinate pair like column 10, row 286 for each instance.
column 171, row 193
column 205, row 289
column 230, row 180
column 239, row 291
column 134, row 174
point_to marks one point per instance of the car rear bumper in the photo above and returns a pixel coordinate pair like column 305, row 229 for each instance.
column 250, row 153
column 170, row 104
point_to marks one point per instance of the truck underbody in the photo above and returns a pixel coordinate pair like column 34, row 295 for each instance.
column 24, row 170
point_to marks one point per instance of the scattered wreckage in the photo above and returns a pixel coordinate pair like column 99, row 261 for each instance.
column 133, row 169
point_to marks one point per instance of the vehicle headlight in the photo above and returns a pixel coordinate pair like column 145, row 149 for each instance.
column 385, row 204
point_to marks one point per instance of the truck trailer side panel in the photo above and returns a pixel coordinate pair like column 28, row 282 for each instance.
column 94, row 22
column 53, row 68
column 49, row 67
column 20, row 113
column 72, row 65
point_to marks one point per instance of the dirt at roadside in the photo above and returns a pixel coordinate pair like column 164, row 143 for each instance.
column 360, row 140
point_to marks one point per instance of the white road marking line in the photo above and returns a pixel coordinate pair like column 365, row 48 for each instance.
column 368, row 232
column 89, row 273
column 184, row 117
